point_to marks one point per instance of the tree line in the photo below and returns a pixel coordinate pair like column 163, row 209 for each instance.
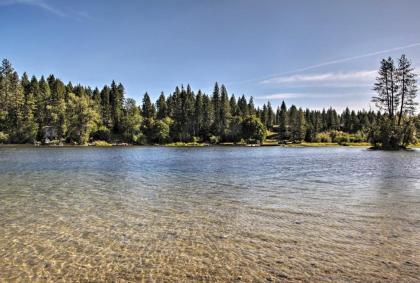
column 33, row 109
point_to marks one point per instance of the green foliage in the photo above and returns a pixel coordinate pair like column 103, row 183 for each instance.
column 4, row 138
column 140, row 139
column 116, row 101
column 282, row 121
column 32, row 109
column 214, row 139
column 253, row 129
column 161, row 131
column 396, row 92
column 148, row 110
column 82, row 118
column 339, row 137
column 323, row 137
column 298, row 128
column 389, row 133
column 102, row 134
column 234, row 133
column 131, row 120
column 162, row 107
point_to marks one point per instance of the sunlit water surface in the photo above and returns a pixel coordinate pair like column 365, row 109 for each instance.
column 209, row 214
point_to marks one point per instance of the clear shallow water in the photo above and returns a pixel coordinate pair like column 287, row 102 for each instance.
column 209, row 214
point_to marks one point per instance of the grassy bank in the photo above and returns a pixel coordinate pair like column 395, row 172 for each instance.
column 186, row 144
column 266, row 143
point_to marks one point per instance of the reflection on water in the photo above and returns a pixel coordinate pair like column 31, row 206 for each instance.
column 209, row 214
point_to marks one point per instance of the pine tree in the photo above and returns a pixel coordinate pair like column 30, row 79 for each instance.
column 217, row 124
column 189, row 112
column 251, row 107
column 116, row 99
column 208, row 117
column 57, row 88
column 293, row 122
column 106, row 107
column 283, row 122
column 43, row 99
column 354, row 122
column 162, row 108
column 30, row 125
column 225, row 115
column 346, row 120
column 299, row 134
column 332, row 119
column 407, row 88
column 5, row 71
column 386, row 87
column 263, row 115
column 233, row 106
column 26, row 84
column 96, row 96
column 198, row 113
column 310, row 130
column 16, row 110
column 270, row 115
column 243, row 107
column 148, row 110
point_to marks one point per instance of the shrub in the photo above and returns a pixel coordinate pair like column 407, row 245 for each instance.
column 140, row 139
column 160, row 133
column 359, row 136
column 323, row 137
column 102, row 134
column 3, row 137
column 214, row 139
column 387, row 134
column 253, row 129
column 339, row 137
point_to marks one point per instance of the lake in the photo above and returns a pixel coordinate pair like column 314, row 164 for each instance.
column 211, row 214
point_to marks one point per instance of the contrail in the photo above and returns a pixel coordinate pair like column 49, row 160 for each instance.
column 333, row 62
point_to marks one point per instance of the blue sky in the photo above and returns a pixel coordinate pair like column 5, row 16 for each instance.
column 311, row 53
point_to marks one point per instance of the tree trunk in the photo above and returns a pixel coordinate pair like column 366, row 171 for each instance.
column 402, row 101
column 392, row 95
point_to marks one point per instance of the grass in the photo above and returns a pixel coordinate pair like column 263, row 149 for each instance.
column 273, row 142
column 227, row 143
column 417, row 145
column 317, row 144
column 362, row 144
column 185, row 144
column 271, row 135
column 101, row 143
column 270, row 142
column 328, row 144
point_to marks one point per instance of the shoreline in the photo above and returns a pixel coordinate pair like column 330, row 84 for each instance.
column 272, row 144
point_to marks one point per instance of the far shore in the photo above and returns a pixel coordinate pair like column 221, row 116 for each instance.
column 192, row 144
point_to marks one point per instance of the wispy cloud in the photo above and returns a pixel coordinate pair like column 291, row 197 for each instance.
column 283, row 95
column 296, row 95
column 337, row 79
column 332, row 62
column 44, row 5
column 352, row 58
